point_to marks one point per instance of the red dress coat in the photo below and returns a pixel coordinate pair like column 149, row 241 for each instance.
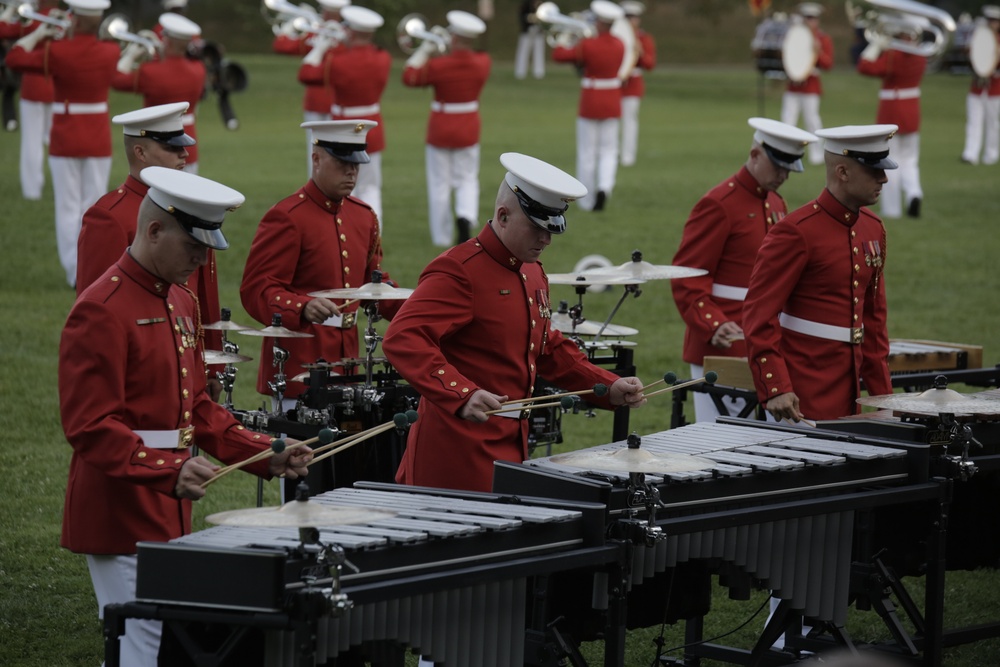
column 173, row 79
column 34, row 87
column 308, row 243
column 81, row 68
column 824, row 61
column 457, row 78
column 129, row 360
column 357, row 74
column 318, row 97
column 109, row 228
column 477, row 320
column 635, row 86
column 899, row 99
column 824, row 264
column 722, row 236
column 600, row 57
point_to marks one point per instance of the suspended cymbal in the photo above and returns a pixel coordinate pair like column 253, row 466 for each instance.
column 219, row 357
column 299, row 514
column 588, row 279
column 275, row 332
column 935, row 402
column 643, row 270
column 632, row 460
column 225, row 325
column 607, row 344
column 367, row 292
column 563, row 322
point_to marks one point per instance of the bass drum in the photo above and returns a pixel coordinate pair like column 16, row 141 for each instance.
column 766, row 44
column 983, row 51
column 798, row 53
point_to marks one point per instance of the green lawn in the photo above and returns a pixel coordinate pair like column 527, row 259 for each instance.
column 940, row 277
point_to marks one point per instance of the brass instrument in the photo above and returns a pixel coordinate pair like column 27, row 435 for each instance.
column 884, row 19
column 412, row 29
column 564, row 30
column 331, row 30
column 282, row 15
column 55, row 18
column 118, row 28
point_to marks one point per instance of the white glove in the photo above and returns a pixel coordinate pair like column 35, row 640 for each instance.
column 875, row 48
column 129, row 60
column 423, row 53
column 319, row 47
column 9, row 15
column 286, row 29
column 31, row 40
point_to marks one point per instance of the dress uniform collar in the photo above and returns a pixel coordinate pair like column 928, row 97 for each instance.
column 836, row 210
column 746, row 179
column 495, row 248
column 153, row 284
column 312, row 191
column 135, row 185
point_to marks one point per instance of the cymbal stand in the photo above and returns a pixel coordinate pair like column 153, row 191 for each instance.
column 279, row 384
column 227, row 376
column 369, row 395
column 629, row 289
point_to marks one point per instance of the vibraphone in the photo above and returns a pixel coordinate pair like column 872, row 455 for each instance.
column 449, row 575
column 776, row 506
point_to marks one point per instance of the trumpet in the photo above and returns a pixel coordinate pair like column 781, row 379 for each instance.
column 27, row 12
column 564, row 30
column 412, row 28
column 330, row 30
column 884, row 19
column 282, row 14
column 117, row 27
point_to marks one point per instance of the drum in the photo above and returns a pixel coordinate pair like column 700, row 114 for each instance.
column 798, row 53
column 766, row 44
column 983, row 51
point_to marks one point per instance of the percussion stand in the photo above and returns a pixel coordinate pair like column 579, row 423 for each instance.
column 227, row 376
column 279, row 384
column 369, row 394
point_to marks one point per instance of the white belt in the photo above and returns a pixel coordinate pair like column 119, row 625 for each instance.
column 729, row 292
column 852, row 335
column 899, row 93
column 600, row 84
column 455, row 107
column 187, row 119
column 174, row 439
column 514, row 411
column 343, row 321
column 79, row 107
column 355, row 112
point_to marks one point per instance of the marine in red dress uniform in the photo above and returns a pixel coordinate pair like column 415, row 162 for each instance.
column 982, row 106
column 634, row 86
column 452, row 154
column 600, row 107
column 81, row 68
column 815, row 312
column 722, row 236
column 803, row 97
column 899, row 104
column 132, row 396
column 476, row 332
column 173, row 77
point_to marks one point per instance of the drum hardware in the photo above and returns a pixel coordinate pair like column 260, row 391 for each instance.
column 279, row 357
column 767, row 42
column 229, row 356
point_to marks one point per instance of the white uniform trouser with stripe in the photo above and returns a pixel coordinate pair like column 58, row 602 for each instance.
column 807, row 104
column 114, row 583
column 36, row 123
column 451, row 169
column 77, row 184
column 368, row 187
column 982, row 112
column 903, row 184
column 630, row 129
column 530, row 46
column 596, row 157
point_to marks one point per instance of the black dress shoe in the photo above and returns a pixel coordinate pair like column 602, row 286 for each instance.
column 914, row 208
column 464, row 229
column 599, row 202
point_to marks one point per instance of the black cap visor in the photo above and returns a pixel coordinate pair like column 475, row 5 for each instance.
column 550, row 219
column 356, row 153
column 178, row 138
column 878, row 160
column 203, row 231
column 784, row 160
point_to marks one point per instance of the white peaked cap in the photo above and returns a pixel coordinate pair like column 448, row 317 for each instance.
column 810, row 9
column 343, row 139
column 868, row 144
column 174, row 4
column 179, row 27
column 162, row 122
column 334, row 4
column 465, row 24
column 198, row 204
column 991, row 12
column 88, row 7
column 361, row 19
column 543, row 191
column 633, row 7
column 605, row 10
column 784, row 144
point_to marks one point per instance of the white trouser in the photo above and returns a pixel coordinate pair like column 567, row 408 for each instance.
column 903, row 184
column 308, row 116
column 596, row 157
column 630, row 129
column 77, row 184
column 451, row 169
column 368, row 187
column 36, row 123
column 530, row 46
column 114, row 582
column 982, row 112
column 792, row 104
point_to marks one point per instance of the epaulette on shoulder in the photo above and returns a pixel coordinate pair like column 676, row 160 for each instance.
column 360, row 202
column 102, row 289
column 291, row 202
column 463, row 252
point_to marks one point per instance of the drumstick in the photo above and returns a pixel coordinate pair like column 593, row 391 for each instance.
column 565, row 402
column 599, row 389
column 709, row 378
column 277, row 446
column 399, row 420
column 807, row 422
column 669, row 377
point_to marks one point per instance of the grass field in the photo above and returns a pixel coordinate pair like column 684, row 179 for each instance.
column 941, row 279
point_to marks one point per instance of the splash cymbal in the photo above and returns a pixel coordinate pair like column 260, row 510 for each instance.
column 632, row 460
column 642, row 270
column 564, row 323
column 589, row 278
column 225, row 325
column 275, row 332
column 299, row 514
column 934, row 402
column 219, row 357
column 367, row 292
